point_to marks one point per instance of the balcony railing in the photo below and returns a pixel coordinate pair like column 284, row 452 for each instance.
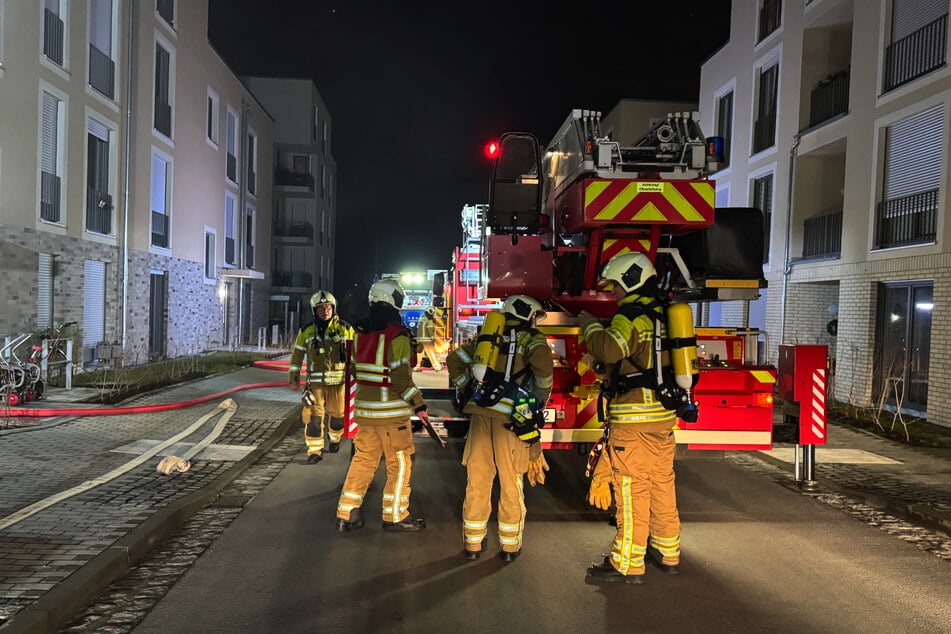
column 232, row 167
column 916, row 54
column 769, row 16
column 294, row 230
column 293, row 279
column 166, row 9
column 829, row 98
column 249, row 255
column 286, row 178
column 159, row 229
column 907, row 220
column 52, row 36
column 102, row 72
column 98, row 212
column 229, row 251
column 822, row 235
column 252, row 180
column 49, row 197
column 163, row 119
column 764, row 132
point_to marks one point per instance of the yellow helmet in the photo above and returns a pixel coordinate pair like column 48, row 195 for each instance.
column 523, row 307
column 387, row 292
column 628, row 270
column 322, row 297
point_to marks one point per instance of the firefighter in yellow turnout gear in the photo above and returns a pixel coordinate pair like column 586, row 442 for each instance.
column 426, row 337
column 386, row 399
column 323, row 344
column 503, row 437
column 638, row 462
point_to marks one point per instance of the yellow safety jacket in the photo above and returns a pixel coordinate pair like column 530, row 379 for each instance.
column 326, row 354
column 629, row 345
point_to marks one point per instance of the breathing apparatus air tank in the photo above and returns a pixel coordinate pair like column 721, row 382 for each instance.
column 683, row 345
column 488, row 344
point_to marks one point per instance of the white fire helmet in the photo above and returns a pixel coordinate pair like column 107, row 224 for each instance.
column 322, row 297
column 523, row 307
column 628, row 270
column 387, row 292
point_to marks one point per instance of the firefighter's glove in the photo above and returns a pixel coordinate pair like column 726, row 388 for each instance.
column 537, row 469
column 599, row 495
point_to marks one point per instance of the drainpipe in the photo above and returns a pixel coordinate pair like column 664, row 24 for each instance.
column 787, row 264
column 125, row 177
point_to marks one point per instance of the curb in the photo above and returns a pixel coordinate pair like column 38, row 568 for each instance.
column 917, row 514
column 55, row 609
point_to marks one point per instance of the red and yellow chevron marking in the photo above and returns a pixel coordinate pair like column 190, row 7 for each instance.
column 613, row 247
column 441, row 342
column 649, row 202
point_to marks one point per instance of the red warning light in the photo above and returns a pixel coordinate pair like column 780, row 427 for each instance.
column 491, row 150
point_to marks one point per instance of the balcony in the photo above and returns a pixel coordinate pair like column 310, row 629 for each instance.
column 159, row 229
column 291, row 279
column 294, row 230
column 287, row 178
column 229, row 251
column 829, row 98
column 916, row 54
column 163, row 119
column 252, row 180
column 102, row 72
column 49, row 197
column 764, row 132
column 52, row 37
column 232, row 167
column 98, row 212
column 249, row 255
column 908, row 220
column 822, row 235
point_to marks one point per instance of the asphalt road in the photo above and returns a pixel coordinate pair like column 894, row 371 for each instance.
column 758, row 557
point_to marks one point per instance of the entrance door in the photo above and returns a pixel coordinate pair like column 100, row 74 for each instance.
column 94, row 307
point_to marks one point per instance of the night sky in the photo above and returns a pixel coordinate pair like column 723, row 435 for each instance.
column 415, row 90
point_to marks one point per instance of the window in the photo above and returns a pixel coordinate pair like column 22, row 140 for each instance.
column 54, row 32
column 211, row 122
column 161, row 196
column 249, row 237
column 323, row 182
column 231, row 167
column 163, row 92
column 725, row 124
column 911, row 180
column 323, row 142
column 98, row 160
column 102, row 67
column 763, row 200
column 903, row 342
column 313, row 127
column 770, row 16
column 764, row 127
column 919, row 41
column 166, row 10
column 231, row 204
column 51, row 158
column 44, row 291
column 252, row 162
column 210, row 238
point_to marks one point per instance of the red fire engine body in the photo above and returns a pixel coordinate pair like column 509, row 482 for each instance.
column 551, row 224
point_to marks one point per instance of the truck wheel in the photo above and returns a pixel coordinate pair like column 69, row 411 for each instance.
column 13, row 398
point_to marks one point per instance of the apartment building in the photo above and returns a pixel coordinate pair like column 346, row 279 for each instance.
column 304, row 219
column 131, row 192
column 836, row 115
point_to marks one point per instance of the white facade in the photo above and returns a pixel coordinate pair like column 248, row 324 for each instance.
column 837, row 119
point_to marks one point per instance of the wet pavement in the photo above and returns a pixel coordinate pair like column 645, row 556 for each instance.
column 88, row 553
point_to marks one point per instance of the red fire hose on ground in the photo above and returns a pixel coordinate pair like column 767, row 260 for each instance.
column 142, row 409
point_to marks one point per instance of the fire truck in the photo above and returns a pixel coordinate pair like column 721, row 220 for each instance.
column 554, row 219
column 466, row 306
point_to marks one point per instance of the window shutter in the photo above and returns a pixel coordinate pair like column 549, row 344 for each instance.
column 229, row 217
column 913, row 154
column 910, row 15
column 98, row 130
column 50, row 133
column 44, row 291
column 159, row 184
column 100, row 26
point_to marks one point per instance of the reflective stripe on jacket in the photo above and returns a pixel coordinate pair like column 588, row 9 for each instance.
column 326, row 355
column 385, row 388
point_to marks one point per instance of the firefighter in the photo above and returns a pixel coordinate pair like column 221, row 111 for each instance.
column 426, row 337
column 503, row 438
column 386, row 399
column 324, row 344
column 639, row 464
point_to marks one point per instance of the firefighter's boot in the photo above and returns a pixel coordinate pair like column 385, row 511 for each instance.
column 657, row 559
column 473, row 555
column 408, row 525
column 336, row 431
column 355, row 521
column 604, row 571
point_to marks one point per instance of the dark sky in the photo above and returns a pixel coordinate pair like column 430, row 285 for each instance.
column 415, row 90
